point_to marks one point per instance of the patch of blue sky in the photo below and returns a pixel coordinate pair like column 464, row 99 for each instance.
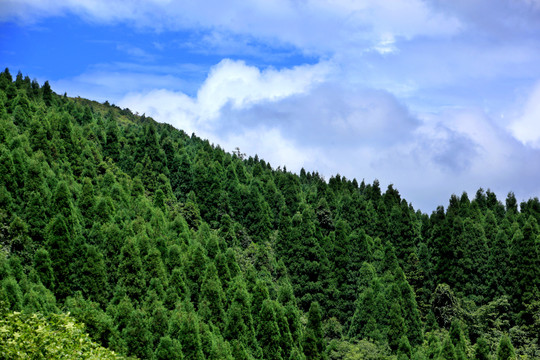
column 66, row 46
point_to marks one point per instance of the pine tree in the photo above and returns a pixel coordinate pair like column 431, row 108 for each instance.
column 268, row 332
column 481, row 350
column 59, row 245
column 396, row 326
column 212, row 298
column 313, row 344
column 43, row 267
column 525, row 257
column 404, row 350
column 448, row 351
column 505, row 350
column 131, row 276
column 187, row 332
column 137, row 336
column 168, row 349
column 94, row 276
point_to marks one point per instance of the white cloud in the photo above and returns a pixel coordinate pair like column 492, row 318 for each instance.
column 313, row 26
column 527, row 127
column 240, row 85
column 229, row 84
column 271, row 143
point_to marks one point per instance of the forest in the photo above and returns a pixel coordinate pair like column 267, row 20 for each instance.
column 125, row 238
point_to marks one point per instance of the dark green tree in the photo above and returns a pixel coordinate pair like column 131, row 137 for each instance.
column 131, row 275
column 268, row 332
column 505, row 350
column 525, row 256
column 137, row 335
column 212, row 298
column 93, row 276
column 481, row 350
column 314, row 344
column 59, row 245
column 168, row 349
column 43, row 267
column 448, row 351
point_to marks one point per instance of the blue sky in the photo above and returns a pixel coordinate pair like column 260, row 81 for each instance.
column 436, row 97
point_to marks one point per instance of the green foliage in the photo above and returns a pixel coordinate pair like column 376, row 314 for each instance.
column 314, row 343
column 268, row 332
column 448, row 351
column 130, row 271
column 33, row 336
column 169, row 349
column 481, row 350
column 505, row 350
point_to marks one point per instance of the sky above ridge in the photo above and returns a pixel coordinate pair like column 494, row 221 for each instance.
column 436, row 97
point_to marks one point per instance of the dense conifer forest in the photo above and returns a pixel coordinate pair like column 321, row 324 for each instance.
column 161, row 245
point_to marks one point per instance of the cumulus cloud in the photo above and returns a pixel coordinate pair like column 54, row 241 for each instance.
column 231, row 85
column 240, row 85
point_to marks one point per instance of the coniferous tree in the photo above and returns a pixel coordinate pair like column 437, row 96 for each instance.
column 313, row 344
column 189, row 336
column 448, row 351
column 212, row 298
column 434, row 347
column 481, row 350
column 177, row 289
column 498, row 262
column 94, row 276
column 286, row 340
column 47, row 94
column 525, row 258
column 59, row 245
column 137, row 336
column 268, row 332
column 131, row 276
column 404, row 350
column 396, row 326
column 13, row 294
column 458, row 340
column 505, row 350
column 44, row 269
column 168, row 349
column 239, row 324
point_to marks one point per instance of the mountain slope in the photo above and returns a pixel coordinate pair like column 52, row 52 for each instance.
column 166, row 246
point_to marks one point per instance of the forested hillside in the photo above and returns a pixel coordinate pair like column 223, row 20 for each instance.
column 167, row 247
